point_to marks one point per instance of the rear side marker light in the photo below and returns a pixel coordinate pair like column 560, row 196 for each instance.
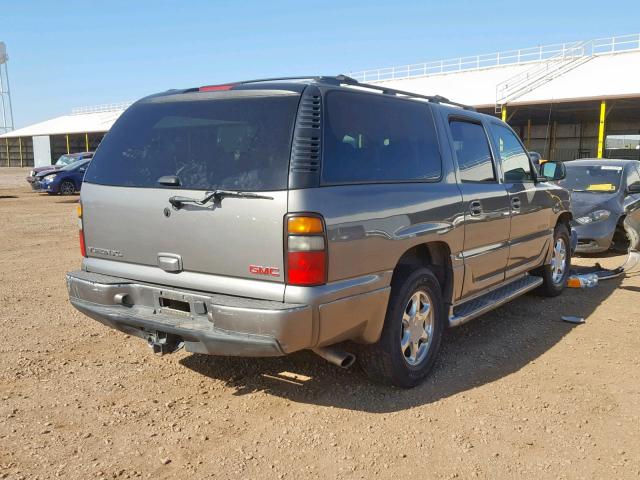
column 306, row 249
column 83, row 248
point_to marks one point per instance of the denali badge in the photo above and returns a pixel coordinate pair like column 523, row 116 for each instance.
column 257, row 270
column 105, row 252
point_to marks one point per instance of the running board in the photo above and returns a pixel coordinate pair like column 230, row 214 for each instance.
column 478, row 306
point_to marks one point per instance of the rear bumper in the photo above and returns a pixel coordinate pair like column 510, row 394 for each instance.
column 224, row 324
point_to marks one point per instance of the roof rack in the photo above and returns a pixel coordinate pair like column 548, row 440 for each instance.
column 346, row 80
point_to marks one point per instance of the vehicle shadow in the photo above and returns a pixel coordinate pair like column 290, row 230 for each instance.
column 480, row 352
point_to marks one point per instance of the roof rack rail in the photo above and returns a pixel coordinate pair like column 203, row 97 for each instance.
column 392, row 91
column 346, row 80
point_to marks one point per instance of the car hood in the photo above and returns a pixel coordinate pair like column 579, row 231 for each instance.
column 583, row 203
column 47, row 168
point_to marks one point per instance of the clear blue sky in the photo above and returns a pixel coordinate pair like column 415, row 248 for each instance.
column 74, row 53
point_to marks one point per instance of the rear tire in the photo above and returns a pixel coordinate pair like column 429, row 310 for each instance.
column 556, row 273
column 412, row 331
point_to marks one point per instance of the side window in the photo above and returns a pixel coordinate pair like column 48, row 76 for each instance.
column 373, row 138
column 514, row 160
column 472, row 151
column 633, row 176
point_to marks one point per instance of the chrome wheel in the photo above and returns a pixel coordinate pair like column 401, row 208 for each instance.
column 417, row 328
column 67, row 188
column 558, row 261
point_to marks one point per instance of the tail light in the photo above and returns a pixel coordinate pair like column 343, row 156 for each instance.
column 306, row 250
column 83, row 249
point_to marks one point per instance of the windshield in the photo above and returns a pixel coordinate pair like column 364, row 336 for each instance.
column 219, row 140
column 592, row 178
column 66, row 160
column 74, row 166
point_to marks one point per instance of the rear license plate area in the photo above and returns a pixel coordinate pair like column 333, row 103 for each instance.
column 174, row 305
column 178, row 303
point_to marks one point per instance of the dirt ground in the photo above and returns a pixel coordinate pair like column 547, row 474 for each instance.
column 515, row 393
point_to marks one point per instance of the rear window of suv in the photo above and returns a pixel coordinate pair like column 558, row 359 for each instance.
column 237, row 140
column 372, row 138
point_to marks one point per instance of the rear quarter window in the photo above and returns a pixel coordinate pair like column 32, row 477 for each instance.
column 372, row 138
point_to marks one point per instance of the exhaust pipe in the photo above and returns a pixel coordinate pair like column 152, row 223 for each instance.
column 338, row 357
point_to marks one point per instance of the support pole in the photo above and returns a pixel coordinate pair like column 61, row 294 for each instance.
column 68, row 149
column 20, row 147
column 7, row 143
column 554, row 137
column 504, row 113
column 86, row 141
column 603, row 110
column 528, row 133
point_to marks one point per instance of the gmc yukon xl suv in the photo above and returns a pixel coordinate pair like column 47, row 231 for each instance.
column 261, row 218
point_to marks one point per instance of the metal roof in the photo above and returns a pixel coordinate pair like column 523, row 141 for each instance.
column 94, row 122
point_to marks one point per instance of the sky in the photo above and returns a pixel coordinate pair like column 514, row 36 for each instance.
column 65, row 54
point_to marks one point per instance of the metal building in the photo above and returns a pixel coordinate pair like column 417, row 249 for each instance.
column 567, row 101
column 42, row 143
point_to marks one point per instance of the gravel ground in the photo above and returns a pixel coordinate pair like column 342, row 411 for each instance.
column 515, row 393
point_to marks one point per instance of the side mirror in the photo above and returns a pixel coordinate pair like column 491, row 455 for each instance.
column 633, row 188
column 553, row 171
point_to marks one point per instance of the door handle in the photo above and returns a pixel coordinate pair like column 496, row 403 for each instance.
column 475, row 207
column 515, row 203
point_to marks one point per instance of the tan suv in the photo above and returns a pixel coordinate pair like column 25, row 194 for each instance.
column 261, row 218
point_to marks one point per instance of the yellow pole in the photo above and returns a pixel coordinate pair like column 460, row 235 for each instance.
column 603, row 109
column 20, row 147
column 528, row 133
column 68, row 149
column 86, row 141
column 504, row 113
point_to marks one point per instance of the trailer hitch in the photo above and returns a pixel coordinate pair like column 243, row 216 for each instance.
column 163, row 343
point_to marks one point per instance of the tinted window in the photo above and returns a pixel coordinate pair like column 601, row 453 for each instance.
column 472, row 152
column 513, row 158
column 229, row 140
column 371, row 138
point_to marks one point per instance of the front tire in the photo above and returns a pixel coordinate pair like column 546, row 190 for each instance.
column 632, row 235
column 67, row 188
column 556, row 273
column 412, row 331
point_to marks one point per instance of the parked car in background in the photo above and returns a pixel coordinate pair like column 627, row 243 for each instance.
column 262, row 218
column 63, row 161
column 65, row 181
column 605, row 196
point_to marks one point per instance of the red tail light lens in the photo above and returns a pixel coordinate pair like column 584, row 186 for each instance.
column 306, row 248
column 306, row 268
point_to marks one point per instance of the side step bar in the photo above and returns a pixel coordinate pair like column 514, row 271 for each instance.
column 471, row 309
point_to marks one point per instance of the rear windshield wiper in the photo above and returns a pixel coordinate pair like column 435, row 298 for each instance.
column 215, row 196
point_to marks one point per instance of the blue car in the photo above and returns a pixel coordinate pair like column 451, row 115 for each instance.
column 66, row 181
